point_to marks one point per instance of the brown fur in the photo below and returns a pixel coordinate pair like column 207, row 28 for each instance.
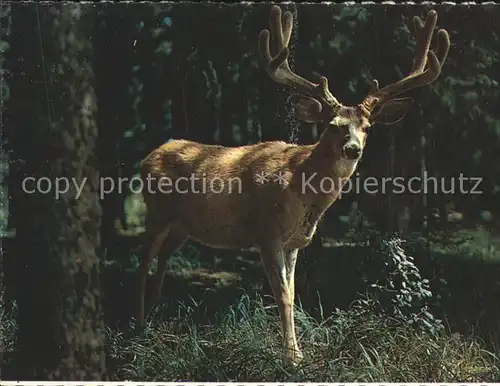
column 276, row 217
column 238, row 217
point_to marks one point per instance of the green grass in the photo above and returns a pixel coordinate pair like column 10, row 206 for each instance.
column 244, row 346
column 477, row 244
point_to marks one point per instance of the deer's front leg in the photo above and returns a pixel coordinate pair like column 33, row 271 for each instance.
column 291, row 260
column 273, row 258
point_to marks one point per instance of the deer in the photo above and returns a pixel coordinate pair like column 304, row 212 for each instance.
column 269, row 195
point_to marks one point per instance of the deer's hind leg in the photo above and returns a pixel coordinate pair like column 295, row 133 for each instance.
column 156, row 231
column 162, row 240
column 173, row 241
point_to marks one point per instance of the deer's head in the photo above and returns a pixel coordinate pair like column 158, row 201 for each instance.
column 382, row 105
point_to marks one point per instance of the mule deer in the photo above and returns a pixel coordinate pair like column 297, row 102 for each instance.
column 271, row 195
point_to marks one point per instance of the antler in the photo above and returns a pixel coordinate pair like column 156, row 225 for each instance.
column 321, row 101
column 417, row 77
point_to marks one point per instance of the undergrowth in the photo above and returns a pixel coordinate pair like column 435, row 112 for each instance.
column 389, row 335
column 349, row 346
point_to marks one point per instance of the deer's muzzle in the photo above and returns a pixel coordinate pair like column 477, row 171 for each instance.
column 351, row 151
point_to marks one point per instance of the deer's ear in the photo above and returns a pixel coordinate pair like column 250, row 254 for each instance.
column 392, row 111
column 308, row 109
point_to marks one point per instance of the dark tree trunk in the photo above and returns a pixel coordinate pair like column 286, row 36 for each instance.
column 190, row 107
column 151, row 59
column 112, row 75
column 5, row 37
column 231, row 69
column 61, row 334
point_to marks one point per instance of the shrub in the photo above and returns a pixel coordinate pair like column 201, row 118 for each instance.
column 395, row 285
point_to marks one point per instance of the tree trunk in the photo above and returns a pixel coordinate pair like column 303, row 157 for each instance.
column 112, row 74
column 61, row 334
column 423, row 171
column 186, row 92
column 5, row 41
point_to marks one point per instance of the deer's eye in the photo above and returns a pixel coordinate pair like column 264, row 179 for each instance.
column 367, row 129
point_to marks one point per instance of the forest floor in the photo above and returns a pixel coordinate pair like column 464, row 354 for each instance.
column 218, row 321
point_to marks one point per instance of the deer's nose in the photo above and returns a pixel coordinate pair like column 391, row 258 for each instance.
column 351, row 151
